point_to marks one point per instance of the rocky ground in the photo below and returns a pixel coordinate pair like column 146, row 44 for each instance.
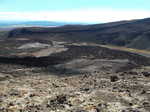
column 97, row 92
column 84, row 79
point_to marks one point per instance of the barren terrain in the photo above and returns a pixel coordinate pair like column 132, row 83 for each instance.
column 76, row 68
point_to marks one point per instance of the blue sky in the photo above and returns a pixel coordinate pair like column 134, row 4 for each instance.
column 112, row 10
column 42, row 5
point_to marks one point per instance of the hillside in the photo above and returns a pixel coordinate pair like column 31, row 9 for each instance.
column 133, row 34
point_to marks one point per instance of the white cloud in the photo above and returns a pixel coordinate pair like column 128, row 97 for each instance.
column 83, row 15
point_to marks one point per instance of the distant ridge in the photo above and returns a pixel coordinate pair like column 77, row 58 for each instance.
column 32, row 23
column 132, row 34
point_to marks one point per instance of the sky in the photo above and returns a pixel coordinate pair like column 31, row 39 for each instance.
column 88, row 11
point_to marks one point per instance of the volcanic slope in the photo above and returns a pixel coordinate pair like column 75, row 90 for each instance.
column 133, row 34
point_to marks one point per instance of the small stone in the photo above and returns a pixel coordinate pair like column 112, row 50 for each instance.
column 146, row 74
column 143, row 92
column 114, row 78
column 84, row 89
column 133, row 73
column 146, row 104
column 94, row 110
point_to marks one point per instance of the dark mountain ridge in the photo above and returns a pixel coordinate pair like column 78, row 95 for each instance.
column 134, row 33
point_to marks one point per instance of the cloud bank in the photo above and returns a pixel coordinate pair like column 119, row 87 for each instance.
column 83, row 15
